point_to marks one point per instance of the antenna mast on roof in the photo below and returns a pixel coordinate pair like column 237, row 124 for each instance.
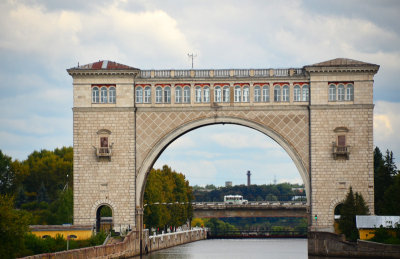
column 192, row 56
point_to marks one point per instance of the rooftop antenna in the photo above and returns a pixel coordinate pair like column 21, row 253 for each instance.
column 192, row 56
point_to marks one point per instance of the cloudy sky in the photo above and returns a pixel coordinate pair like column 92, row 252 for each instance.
column 40, row 39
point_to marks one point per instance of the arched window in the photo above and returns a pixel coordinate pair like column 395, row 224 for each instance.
column 257, row 94
column 306, row 93
column 167, row 94
column 350, row 92
column 178, row 94
column 198, row 94
column 95, row 95
column 340, row 92
column 277, row 93
column 238, row 93
column 206, row 94
column 217, row 94
column 226, row 94
column 158, row 94
column 285, row 93
column 111, row 94
column 186, row 94
column 147, row 94
column 246, row 94
column 139, row 94
column 103, row 92
column 332, row 92
column 296, row 93
column 265, row 93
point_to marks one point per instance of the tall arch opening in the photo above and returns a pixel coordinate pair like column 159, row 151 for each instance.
column 161, row 145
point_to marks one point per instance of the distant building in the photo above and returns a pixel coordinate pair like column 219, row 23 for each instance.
column 74, row 232
column 298, row 189
column 248, row 178
column 228, row 184
column 367, row 225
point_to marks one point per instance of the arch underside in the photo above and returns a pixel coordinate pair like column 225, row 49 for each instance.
column 158, row 129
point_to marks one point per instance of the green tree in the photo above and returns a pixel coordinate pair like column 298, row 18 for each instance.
column 13, row 226
column 385, row 172
column 392, row 197
column 53, row 168
column 353, row 205
column 20, row 197
column 382, row 180
column 7, row 175
column 42, row 194
column 62, row 208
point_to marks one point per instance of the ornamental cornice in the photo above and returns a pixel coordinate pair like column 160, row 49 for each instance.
column 89, row 72
column 342, row 69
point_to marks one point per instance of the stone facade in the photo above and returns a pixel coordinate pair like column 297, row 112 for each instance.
column 138, row 128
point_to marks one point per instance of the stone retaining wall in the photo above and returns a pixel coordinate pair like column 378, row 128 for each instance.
column 130, row 246
column 329, row 244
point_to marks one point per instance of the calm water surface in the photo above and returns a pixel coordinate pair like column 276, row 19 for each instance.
column 236, row 248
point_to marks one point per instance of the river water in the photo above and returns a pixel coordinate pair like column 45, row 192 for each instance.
column 236, row 248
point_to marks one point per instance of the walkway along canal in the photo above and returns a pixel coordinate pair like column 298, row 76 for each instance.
column 130, row 246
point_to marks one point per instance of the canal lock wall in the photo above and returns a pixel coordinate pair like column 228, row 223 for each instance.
column 332, row 245
column 130, row 246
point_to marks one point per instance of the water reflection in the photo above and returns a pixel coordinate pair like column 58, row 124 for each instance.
column 236, row 248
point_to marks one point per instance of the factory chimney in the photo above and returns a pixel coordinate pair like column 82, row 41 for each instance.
column 248, row 178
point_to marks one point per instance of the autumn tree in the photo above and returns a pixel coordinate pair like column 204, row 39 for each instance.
column 167, row 199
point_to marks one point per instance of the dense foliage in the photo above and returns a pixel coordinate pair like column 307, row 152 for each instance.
column 387, row 184
column 353, row 205
column 13, row 226
column 39, row 185
column 387, row 235
column 271, row 192
column 35, row 245
column 167, row 198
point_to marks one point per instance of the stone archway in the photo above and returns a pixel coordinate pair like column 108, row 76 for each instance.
column 163, row 143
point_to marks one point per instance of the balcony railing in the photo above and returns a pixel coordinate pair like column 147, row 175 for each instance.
column 340, row 151
column 207, row 73
column 103, row 152
column 261, row 72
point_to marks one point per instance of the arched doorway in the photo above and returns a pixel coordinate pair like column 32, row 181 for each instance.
column 104, row 218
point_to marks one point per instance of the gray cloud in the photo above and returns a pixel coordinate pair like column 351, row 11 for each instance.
column 40, row 39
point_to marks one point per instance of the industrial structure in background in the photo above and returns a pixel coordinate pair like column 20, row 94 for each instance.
column 248, row 178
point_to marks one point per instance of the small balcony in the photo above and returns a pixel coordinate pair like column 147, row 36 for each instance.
column 105, row 152
column 340, row 151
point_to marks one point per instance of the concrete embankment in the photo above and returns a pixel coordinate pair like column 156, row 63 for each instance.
column 130, row 246
column 329, row 244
